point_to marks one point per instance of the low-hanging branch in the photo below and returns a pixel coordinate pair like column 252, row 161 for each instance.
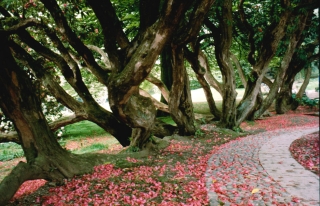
column 12, row 136
column 163, row 88
column 103, row 55
column 159, row 105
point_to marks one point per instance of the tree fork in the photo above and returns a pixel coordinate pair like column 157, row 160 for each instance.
column 45, row 157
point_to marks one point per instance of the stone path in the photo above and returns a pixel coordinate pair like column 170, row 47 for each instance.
column 259, row 170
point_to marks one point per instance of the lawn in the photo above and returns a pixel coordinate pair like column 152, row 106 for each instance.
column 76, row 132
column 83, row 129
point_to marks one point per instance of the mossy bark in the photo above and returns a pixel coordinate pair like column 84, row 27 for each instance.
column 180, row 103
column 46, row 159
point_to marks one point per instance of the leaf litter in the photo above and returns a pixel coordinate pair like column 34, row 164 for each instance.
column 177, row 175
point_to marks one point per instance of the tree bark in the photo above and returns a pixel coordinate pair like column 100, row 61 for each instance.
column 307, row 76
column 46, row 159
column 198, row 65
column 249, row 101
column 222, row 53
column 140, row 115
column 159, row 105
column 161, row 86
column 239, row 68
column 166, row 75
column 180, row 103
column 213, row 82
column 284, row 101
column 89, row 109
column 166, row 67
column 267, row 81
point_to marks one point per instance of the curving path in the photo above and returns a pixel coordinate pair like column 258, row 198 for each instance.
column 259, row 170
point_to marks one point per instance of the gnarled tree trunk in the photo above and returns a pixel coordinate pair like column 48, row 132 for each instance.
column 180, row 103
column 249, row 101
column 89, row 109
column 140, row 115
column 166, row 74
column 222, row 53
column 124, row 81
column 46, row 159
column 284, row 101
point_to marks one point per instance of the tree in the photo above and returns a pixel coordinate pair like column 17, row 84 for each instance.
column 200, row 66
column 275, row 41
column 166, row 74
column 299, row 22
column 223, row 40
column 45, row 157
column 268, row 47
column 45, row 42
column 268, row 41
column 50, row 41
column 89, row 109
column 284, row 101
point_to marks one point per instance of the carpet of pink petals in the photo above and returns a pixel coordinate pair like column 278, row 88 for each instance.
column 184, row 183
column 306, row 151
column 167, row 182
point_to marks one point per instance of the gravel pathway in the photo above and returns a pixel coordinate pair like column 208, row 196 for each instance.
column 235, row 175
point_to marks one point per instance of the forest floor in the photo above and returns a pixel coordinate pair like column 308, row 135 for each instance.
column 174, row 175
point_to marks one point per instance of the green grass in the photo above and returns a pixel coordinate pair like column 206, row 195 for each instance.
column 76, row 131
column 83, row 129
column 202, row 107
column 167, row 120
column 91, row 148
column 9, row 151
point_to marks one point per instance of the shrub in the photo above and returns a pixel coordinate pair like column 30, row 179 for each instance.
column 306, row 101
column 194, row 84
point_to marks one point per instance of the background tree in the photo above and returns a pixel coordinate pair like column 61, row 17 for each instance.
column 223, row 40
column 298, row 24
